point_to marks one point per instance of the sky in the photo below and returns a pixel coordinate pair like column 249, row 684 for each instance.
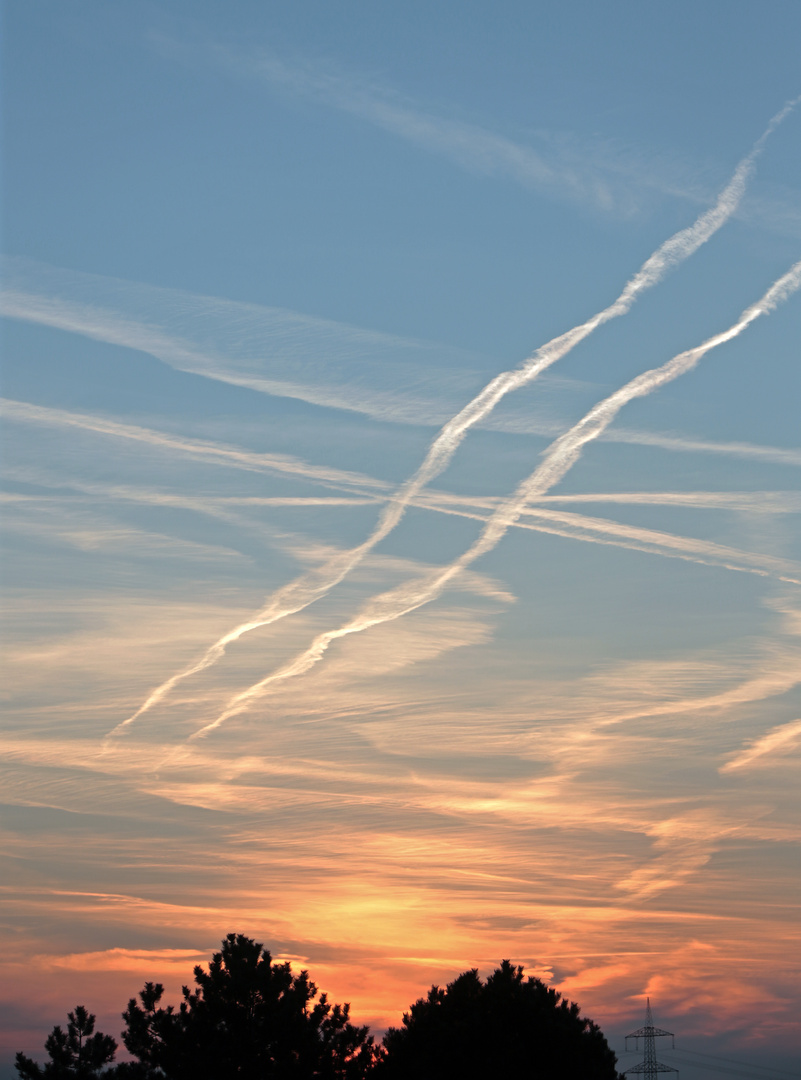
column 402, row 561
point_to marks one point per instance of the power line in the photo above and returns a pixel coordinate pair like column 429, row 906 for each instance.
column 728, row 1070
column 748, row 1064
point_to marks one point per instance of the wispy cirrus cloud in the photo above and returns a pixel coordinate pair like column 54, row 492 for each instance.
column 375, row 834
column 135, row 960
column 778, row 670
column 779, row 740
column 206, row 450
column 270, row 350
column 593, row 171
column 468, row 145
column 774, row 455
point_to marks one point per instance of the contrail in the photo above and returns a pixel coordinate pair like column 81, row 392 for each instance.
column 559, row 458
column 309, row 587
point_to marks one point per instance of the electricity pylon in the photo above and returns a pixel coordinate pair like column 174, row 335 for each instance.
column 649, row 1067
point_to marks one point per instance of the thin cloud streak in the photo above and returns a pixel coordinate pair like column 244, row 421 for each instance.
column 561, row 456
column 783, row 737
column 588, row 176
column 559, row 523
column 758, row 502
column 216, row 453
column 654, row 542
column 686, row 444
column 778, row 673
column 567, row 525
column 755, row 502
column 468, row 144
column 293, row 337
column 269, row 350
column 305, row 590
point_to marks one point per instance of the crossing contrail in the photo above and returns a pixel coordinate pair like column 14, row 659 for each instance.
column 311, row 586
column 559, row 458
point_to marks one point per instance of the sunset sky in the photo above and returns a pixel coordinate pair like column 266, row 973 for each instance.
column 288, row 652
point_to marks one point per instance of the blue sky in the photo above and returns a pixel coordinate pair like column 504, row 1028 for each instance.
column 255, row 257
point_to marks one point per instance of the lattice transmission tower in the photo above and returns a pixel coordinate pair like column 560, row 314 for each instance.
column 649, row 1067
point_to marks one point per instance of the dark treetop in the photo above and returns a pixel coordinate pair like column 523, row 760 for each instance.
column 507, row 1026
column 248, row 1019
column 77, row 1052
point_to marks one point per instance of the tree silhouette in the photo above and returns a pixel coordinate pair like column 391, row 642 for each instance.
column 76, row 1052
column 248, row 1019
column 508, row 1026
